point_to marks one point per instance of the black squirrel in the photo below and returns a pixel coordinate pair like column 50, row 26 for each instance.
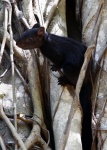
column 67, row 54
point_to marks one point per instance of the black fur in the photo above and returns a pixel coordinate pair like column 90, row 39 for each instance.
column 67, row 54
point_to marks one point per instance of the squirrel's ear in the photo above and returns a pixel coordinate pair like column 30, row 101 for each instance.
column 40, row 33
column 37, row 25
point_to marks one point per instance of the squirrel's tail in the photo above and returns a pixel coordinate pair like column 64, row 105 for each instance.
column 85, row 99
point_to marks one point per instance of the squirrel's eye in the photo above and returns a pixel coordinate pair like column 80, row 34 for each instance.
column 30, row 39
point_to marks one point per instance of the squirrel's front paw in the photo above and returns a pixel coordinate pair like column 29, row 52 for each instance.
column 54, row 67
column 62, row 81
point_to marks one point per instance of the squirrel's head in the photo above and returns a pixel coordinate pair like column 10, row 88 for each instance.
column 32, row 38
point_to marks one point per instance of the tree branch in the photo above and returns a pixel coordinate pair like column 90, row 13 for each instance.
column 11, row 127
